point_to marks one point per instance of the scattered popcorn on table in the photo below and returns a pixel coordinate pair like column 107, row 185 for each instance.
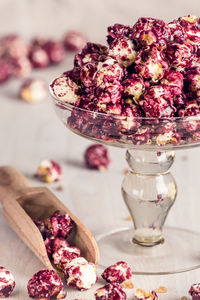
column 33, row 90
column 74, row 41
column 49, row 171
column 39, row 57
column 110, row 292
column 6, row 69
column 46, row 284
column 142, row 295
column 22, row 67
column 13, row 46
column 55, row 51
column 117, row 273
column 7, row 283
column 80, row 275
column 96, row 157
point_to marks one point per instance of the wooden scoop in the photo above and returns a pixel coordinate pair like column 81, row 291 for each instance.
column 22, row 203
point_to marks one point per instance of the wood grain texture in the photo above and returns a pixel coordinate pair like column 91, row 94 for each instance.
column 30, row 133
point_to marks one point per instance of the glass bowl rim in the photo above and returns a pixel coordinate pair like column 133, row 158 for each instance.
column 71, row 107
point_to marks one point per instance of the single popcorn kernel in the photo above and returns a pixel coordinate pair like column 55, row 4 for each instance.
column 7, row 283
column 117, row 273
column 96, row 157
column 33, row 90
column 161, row 289
column 80, row 275
column 74, row 41
column 49, row 171
column 151, row 64
column 46, row 284
column 195, row 291
column 149, row 31
column 110, row 292
column 60, row 225
column 65, row 89
column 64, row 255
column 128, row 284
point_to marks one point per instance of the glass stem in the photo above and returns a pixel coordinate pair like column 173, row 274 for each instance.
column 149, row 191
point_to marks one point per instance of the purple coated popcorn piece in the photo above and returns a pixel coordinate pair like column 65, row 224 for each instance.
column 7, row 283
column 149, row 31
column 74, row 40
column 13, row 46
column 110, row 292
column 80, row 274
column 157, row 102
column 46, row 284
column 195, row 291
column 177, row 32
column 191, row 25
column 96, row 157
column 90, row 53
column 63, row 255
column 117, row 273
column 59, row 225
column 193, row 82
column 118, row 31
column 151, row 64
column 6, row 69
column 133, row 87
column 39, row 57
column 179, row 56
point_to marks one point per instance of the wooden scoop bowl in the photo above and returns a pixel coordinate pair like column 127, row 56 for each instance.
column 22, row 203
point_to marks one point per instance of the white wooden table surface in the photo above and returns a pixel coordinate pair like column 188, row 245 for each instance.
column 29, row 133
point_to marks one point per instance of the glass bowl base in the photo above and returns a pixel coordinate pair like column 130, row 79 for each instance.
column 180, row 251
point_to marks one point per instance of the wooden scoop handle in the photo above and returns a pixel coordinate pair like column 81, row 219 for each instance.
column 12, row 186
column 12, row 183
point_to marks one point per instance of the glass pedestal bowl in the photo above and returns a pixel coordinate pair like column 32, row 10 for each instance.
column 148, row 189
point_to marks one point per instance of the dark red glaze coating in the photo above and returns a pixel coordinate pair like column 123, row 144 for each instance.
column 110, row 292
column 117, row 273
column 46, row 284
column 157, row 102
column 149, row 31
column 96, row 157
column 7, row 283
column 60, row 225
column 74, row 40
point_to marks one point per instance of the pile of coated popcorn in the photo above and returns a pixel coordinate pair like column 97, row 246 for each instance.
column 148, row 70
